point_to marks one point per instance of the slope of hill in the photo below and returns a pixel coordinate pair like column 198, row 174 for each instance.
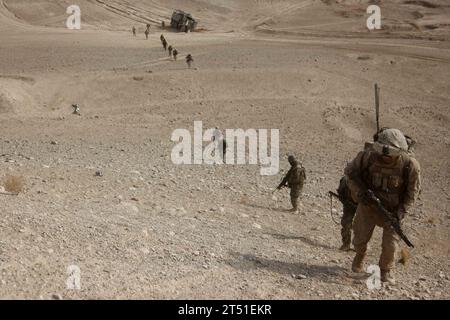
column 102, row 193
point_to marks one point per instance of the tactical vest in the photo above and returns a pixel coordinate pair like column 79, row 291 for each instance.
column 297, row 177
column 389, row 182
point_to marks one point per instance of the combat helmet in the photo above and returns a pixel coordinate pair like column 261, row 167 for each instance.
column 390, row 142
column 292, row 160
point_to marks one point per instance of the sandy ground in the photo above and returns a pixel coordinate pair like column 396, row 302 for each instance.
column 150, row 229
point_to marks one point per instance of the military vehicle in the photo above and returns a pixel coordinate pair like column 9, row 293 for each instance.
column 183, row 21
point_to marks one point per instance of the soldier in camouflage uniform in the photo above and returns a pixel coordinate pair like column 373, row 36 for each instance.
column 348, row 202
column 294, row 180
column 349, row 210
column 222, row 143
column 392, row 174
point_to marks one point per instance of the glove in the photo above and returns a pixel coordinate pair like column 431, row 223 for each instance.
column 401, row 213
column 366, row 197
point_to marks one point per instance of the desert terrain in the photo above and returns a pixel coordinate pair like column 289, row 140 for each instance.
column 100, row 190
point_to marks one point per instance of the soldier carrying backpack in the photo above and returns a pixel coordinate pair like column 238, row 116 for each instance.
column 294, row 180
column 386, row 181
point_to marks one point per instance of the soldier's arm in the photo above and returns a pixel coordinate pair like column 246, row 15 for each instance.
column 285, row 179
column 414, row 185
column 353, row 171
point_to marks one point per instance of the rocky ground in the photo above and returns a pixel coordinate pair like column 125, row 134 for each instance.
column 102, row 193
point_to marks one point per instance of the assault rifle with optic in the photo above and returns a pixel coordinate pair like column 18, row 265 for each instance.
column 376, row 204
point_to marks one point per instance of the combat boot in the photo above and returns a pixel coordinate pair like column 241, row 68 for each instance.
column 294, row 202
column 294, row 210
column 346, row 234
column 358, row 263
column 387, row 277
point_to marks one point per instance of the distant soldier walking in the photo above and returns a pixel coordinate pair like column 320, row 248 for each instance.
column 221, row 142
column 294, row 179
column 134, row 31
column 164, row 43
column 175, row 54
column 162, row 38
column 189, row 60
column 170, row 51
column 146, row 33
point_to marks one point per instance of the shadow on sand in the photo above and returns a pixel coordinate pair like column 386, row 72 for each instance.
column 330, row 274
column 306, row 240
column 257, row 206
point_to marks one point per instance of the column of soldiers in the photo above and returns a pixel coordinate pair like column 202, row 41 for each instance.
column 385, row 172
column 173, row 53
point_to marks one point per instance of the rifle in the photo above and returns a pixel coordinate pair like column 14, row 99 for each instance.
column 393, row 221
column 280, row 186
column 347, row 202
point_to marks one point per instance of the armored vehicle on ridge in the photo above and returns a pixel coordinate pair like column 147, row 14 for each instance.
column 183, row 21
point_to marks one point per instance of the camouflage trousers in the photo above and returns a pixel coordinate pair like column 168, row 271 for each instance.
column 347, row 224
column 365, row 222
column 295, row 194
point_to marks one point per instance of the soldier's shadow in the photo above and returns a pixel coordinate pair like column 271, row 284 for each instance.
column 247, row 262
column 303, row 239
column 179, row 69
column 257, row 206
